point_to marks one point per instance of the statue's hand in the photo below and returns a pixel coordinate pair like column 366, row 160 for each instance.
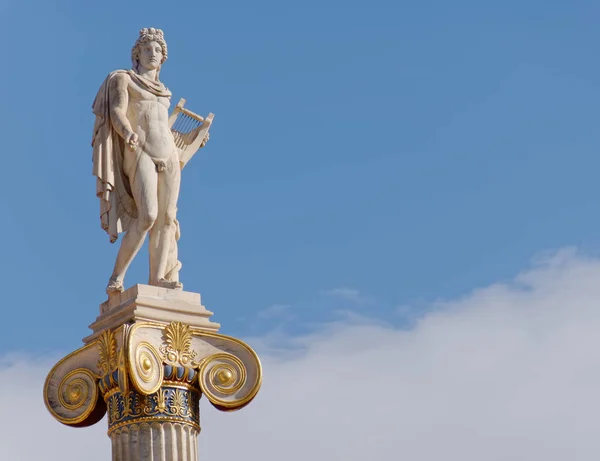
column 206, row 138
column 132, row 141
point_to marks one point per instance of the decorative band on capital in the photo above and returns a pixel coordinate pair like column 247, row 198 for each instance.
column 169, row 403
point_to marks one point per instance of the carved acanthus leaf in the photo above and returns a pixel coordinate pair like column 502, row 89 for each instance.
column 178, row 341
column 107, row 349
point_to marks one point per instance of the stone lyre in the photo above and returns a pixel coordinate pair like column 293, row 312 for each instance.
column 190, row 130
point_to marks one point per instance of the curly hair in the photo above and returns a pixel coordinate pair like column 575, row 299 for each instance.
column 149, row 35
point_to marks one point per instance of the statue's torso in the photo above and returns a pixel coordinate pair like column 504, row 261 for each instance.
column 148, row 115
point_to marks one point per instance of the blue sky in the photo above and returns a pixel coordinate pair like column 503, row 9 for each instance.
column 363, row 157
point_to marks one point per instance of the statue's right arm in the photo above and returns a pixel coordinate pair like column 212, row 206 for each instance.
column 119, row 98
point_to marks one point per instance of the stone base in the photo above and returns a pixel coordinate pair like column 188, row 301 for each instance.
column 153, row 304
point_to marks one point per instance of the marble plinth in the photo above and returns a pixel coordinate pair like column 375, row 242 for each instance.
column 152, row 304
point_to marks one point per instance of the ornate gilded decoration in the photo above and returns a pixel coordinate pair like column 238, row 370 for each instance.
column 122, row 373
column 147, row 371
column 178, row 339
column 75, row 397
column 107, row 349
column 161, row 400
column 146, row 368
column 111, row 363
column 74, row 390
column 167, row 404
column 179, row 401
column 109, row 382
column 152, row 372
column 179, row 374
column 229, row 375
column 223, row 379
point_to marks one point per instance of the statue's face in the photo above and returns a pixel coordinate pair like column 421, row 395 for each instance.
column 151, row 55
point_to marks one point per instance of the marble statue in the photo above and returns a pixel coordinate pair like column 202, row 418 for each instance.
column 137, row 160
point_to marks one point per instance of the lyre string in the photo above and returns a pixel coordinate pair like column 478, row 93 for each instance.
column 186, row 124
column 193, row 123
column 183, row 126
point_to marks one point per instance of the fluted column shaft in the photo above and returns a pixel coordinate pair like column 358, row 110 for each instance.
column 160, row 441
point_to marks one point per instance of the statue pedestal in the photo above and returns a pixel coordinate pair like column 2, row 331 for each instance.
column 152, row 354
column 152, row 304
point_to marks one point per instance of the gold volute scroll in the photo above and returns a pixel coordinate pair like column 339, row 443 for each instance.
column 146, row 368
column 228, row 382
column 71, row 392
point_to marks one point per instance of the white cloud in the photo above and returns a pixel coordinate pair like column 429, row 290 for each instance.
column 508, row 373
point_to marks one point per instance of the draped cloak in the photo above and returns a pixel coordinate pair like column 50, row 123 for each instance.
column 117, row 206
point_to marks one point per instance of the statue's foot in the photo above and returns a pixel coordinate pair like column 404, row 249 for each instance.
column 114, row 286
column 164, row 283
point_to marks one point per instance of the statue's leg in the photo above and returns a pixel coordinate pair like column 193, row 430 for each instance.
column 162, row 234
column 144, row 188
column 173, row 263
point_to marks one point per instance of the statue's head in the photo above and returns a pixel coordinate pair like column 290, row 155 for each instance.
column 150, row 49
